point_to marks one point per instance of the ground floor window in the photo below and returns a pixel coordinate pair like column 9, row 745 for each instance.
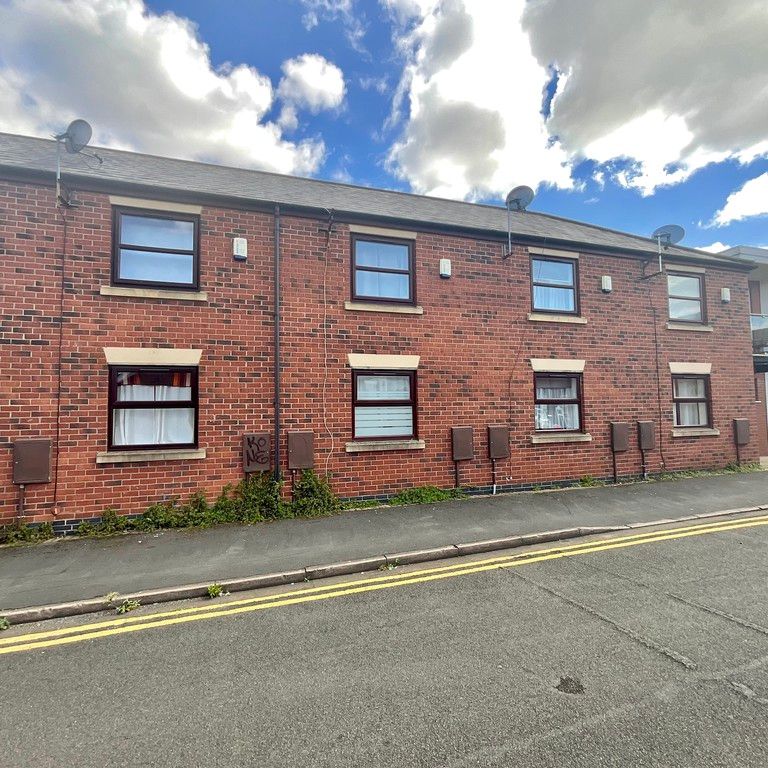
column 384, row 404
column 690, row 395
column 152, row 407
column 558, row 402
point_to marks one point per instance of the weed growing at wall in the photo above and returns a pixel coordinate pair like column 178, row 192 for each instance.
column 426, row 494
column 590, row 482
column 255, row 499
column 313, row 497
column 21, row 533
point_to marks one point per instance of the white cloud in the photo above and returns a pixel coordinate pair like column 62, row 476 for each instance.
column 651, row 92
column 378, row 84
column 717, row 247
column 475, row 128
column 670, row 86
column 354, row 27
column 312, row 82
column 144, row 81
column 750, row 200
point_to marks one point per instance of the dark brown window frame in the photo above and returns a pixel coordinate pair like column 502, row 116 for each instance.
column 579, row 400
column 411, row 272
column 118, row 212
column 412, row 402
column 702, row 297
column 707, row 399
column 575, row 287
column 115, row 404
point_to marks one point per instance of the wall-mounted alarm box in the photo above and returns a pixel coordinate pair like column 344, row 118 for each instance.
column 445, row 267
column 606, row 284
column 240, row 248
column 725, row 295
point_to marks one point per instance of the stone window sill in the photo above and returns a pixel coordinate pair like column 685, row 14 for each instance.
column 397, row 309
column 152, row 293
column 689, row 327
column 570, row 437
column 132, row 457
column 695, row 432
column 543, row 317
column 366, row 446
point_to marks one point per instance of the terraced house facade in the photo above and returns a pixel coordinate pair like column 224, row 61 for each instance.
column 141, row 325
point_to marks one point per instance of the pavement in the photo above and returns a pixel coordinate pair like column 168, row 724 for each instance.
column 653, row 655
column 76, row 569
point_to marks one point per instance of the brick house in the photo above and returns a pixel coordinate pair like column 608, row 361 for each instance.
column 758, row 318
column 138, row 335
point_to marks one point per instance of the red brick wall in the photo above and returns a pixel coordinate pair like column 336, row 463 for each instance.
column 474, row 339
column 475, row 343
column 234, row 330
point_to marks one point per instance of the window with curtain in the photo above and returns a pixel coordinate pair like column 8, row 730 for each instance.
column 553, row 285
column 382, row 270
column 384, row 404
column 152, row 407
column 686, row 297
column 155, row 249
column 690, row 395
column 558, row 403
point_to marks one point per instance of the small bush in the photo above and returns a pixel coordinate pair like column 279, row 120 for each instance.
column 4, row 624
column 590, row 482
column 313, row 497
column 426, row 494
column 215, row 590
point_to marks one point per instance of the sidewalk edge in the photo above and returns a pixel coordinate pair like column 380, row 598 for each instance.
column 348, row 567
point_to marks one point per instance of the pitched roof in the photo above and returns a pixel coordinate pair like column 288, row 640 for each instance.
column 24, row 153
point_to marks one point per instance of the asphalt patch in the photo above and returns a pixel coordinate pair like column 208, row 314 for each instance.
column 570, row 685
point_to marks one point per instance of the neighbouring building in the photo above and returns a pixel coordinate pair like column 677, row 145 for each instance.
column 758, row 319
column 138, row 335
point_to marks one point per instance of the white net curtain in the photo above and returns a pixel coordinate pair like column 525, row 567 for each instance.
column 557, row 415
column 691, row 414
column 153, row 425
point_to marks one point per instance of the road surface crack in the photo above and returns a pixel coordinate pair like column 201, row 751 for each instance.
column 684, row 600
column 652, row 645
column 748, row 693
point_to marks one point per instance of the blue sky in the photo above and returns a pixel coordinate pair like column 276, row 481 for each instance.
column 611, row 121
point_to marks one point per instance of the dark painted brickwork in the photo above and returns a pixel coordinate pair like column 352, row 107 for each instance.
column 474, row 339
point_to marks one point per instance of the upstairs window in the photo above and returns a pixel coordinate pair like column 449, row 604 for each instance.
column 690, row 395
column 160, row 250
column 382, row 270
column 686, row 297
column 152, row 407
column 553, row 286
column 384, row 404
column 558, row 403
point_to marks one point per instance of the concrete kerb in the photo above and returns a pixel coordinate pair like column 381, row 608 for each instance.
column 348, row 567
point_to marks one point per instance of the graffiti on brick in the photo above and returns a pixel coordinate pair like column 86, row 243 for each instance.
column 256, row 454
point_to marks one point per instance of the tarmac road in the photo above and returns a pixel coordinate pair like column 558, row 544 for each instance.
column 644, row 652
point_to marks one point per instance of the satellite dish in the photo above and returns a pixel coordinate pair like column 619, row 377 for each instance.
column 75, row 139
column 519, row 198
column 77, row 136
column 668, row 235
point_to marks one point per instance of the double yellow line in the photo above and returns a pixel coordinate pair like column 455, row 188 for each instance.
column 99, row 629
